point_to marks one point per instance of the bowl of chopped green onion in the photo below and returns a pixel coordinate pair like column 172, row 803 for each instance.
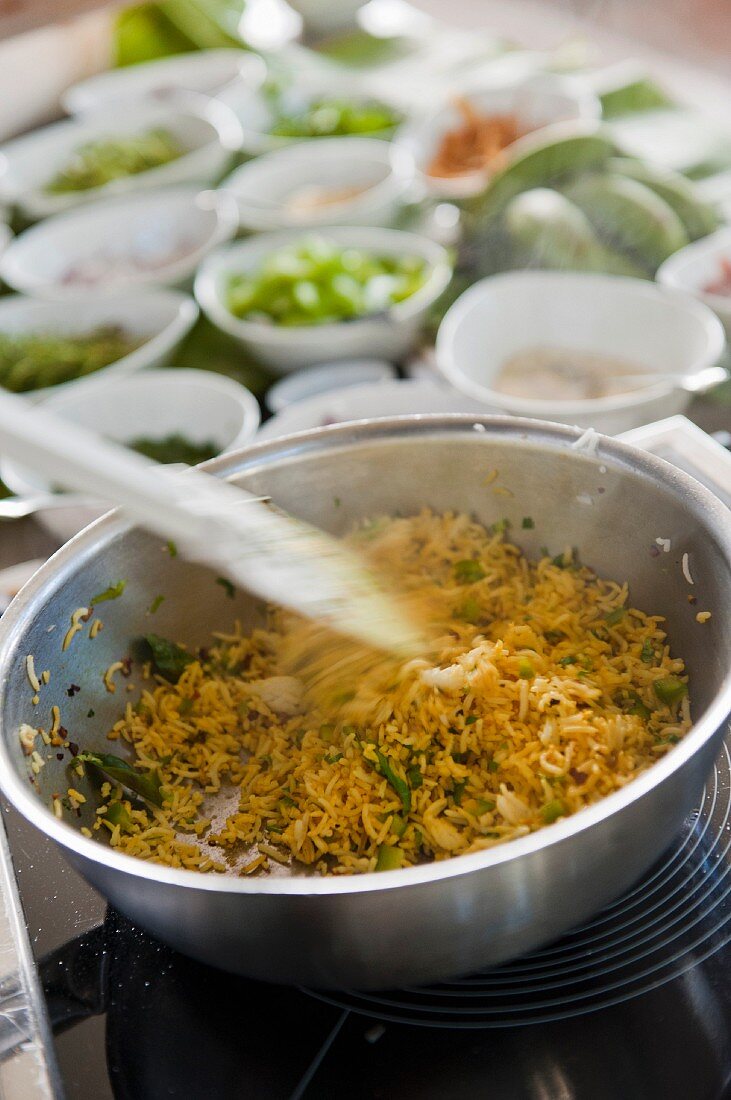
column 117, row 151
column 295, row 299
column 273, row 116
column 170, row 416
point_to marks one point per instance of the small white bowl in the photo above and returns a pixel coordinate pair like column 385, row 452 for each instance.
column 301, row 385
column 388, row 335
column 399, row 397
column 256, row 113
column 208, row 72
column 658, row 329
column 537, row 101
column 197, row 404
column 263, row 187
column 6, row 238
column 160, row 317
column 695, row 266
column 206, row 128
column 322, row 17
column 169, row 232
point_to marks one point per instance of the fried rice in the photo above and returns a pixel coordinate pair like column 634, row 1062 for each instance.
column 545, row 691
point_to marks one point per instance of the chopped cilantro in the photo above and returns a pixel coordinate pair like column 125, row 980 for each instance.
column 648, row 652
column 615, row 616
column 226, row 585
column 171, row 549
column 527, row 523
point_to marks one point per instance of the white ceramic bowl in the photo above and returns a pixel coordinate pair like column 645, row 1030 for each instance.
column 692, row 268
column 656, row 328
column 402, row 397
column 301, row 385
column 536, row 100
column 205, row 71
column 256, row 113
column 263, row 187
column 153, row 238
column 205, row 127
column 327, row 16
column 199, row 405
column 388, row 335
column 160, row 317
column 6, row 237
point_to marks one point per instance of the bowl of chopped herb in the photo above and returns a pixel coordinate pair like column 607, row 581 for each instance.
column 172, row 416
column 116, row 151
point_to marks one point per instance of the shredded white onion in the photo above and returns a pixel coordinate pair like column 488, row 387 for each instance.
column 686, row 570
column 664, row 544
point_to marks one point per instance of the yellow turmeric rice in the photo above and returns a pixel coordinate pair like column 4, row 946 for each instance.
column 544, row 693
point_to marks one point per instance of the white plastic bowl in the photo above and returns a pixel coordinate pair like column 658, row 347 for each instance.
column 653, row 327
column 256, row 112
column 205, row 71
column 388, row 335
column 206, row 128
column 176, row 225
column 301, row 385
column 696, row 265
column 199, row 405
column 161, row 317
column 263, row 187
column 536, row 100
column 402, row 397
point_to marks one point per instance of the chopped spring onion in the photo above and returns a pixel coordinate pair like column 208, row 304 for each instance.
column 468, row 572
column 112, row 593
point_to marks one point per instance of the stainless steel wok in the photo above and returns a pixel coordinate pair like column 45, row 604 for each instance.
column 429, row 922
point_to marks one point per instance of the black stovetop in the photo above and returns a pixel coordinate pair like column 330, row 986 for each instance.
column 636, row 1004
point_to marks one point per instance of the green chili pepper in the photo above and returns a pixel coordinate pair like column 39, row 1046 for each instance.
column 670, row 690
column 469, row 611
column 485, row 806
column 468, row 571
column 399, row 825
column 415, row 778
column 552, row 811
column 400, row 787
column 145, row 784
column 389, row 858
column 117, row 814
column 112, row 593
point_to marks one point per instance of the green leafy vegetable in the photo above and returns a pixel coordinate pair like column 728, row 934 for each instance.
column 112, row 593
column 615, row 616
column 145, row 784
column 169, row 659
